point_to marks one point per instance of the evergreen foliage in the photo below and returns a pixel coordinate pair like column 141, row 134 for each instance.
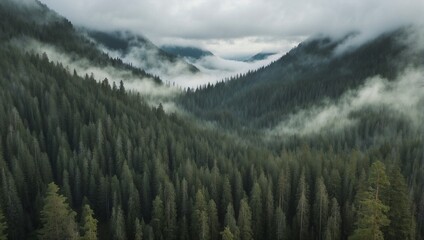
column 56, row 216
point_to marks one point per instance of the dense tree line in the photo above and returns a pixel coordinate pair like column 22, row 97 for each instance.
column 149, row 175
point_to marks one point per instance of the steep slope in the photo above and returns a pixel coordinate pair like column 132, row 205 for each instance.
column 307, row 75
column 141, row 52
column 192, row 53
column 259, row 56
column 31, row 19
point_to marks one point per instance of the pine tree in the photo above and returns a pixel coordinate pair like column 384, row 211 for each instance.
column 138, row 234
column 230, row 221
column 399, row 214
column 245, row 221
column 89, row 224
column 333, row 228
column 226, row 234
column 280, row 224
column 302, row 211
column 117, row 222
column 372, row 212
column 200, row 217
column 320, row 207
column 257, row 213
column 170, row 212
column 213, row 220
column 57, row 217
column 158, row 218
column 3, row 226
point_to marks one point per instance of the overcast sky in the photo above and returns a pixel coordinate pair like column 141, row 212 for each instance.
column 240, row 27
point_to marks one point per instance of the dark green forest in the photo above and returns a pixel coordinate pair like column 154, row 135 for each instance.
column 84, row 158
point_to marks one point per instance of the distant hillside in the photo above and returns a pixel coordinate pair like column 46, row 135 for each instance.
column 187, row 52
column 141, row 52
column 260, row 56
column 306, row 75
column 31, row 19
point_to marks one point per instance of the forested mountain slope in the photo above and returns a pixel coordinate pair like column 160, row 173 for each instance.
column 141, row 52
column 192, row 53
column 310, row 73
column 31, row 19
column 136, row 166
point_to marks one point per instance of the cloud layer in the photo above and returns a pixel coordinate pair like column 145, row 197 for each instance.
column 220, row 23
column 405, row 96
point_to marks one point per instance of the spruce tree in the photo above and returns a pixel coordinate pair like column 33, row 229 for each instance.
column 230, row 221
column 89, row 224
column 245, row 221
column 399, row 214
column 372, row 213
column 333, row 226
column 226, row 234
column 302, row 211
column 3, row 226
column 117, row 224
column 200, row 218
column 280, row 224
column 57, row 218
column 138, row 234
column 158, row 218
column 320, row 207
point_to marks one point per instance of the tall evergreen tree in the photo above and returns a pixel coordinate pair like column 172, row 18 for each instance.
column 397, row 198
column 245, row 221
column 117, row 224
column 89, row 224
column 200, row 218
column 57, row 217
column 320, row 207
column 213, row 220
column 257, row 213
column 230, row 221
column 280, row 224
column 158, row 218
column 3, row 226
column 372, row 213
column 226, row 234
column 302, row 211
column 138, row 234
column 333, row 226
column 170, row 212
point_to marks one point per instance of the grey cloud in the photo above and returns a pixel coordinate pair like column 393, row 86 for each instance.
column 405, row 96
column 220, row 19
column 151, row 92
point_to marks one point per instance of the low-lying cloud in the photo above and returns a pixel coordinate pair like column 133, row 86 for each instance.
column 405, row 96
column 152, row 92
column 214, row 69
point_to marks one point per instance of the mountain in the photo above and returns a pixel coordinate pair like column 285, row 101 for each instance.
column 192, row 53
column 28, row 19
column 141, row 52
column 259, row 56
column 305, row 76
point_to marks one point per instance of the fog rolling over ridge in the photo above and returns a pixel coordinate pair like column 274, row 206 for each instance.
column 403, row 96
column 151, row 91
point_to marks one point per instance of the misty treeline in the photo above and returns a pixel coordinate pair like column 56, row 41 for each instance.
column 22, row 19
column 307, row 75
column 149, row 175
